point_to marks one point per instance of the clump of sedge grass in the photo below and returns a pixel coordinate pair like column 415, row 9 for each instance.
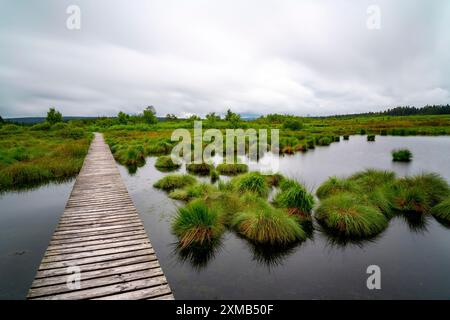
column 262, row 223
column 232, row 168
column 166, row 163
column 402, row 155
column 347, row 214
column 287, row 150
column 251, row 182
column 174, row 181
column 274, row 180
column 336, row 185
column 371, row 137
column 192, row 191
column 199, row 168
column 324, row 141
column 296, row 199
column 197, row 224
column 371, row 179
column 214, row 175
column 346, row 137
column 442, row 211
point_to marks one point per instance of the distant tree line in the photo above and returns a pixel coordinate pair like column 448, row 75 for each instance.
column 402, row 111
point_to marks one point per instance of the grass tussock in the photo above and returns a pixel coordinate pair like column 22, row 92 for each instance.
column 197, row 224
column 166, row 163
column 402, row 155
column 349, row 215
column 251, row 182
column 295, row 198
column 199, row 168
column 232, row 169
column 174, row 181
column 262, row 223
column 442, row 211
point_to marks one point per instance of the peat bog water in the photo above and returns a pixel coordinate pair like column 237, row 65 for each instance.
column 414, row 257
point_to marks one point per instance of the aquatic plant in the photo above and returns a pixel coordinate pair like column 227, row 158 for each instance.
column 192, row 191
column 214, row 175
column 287, row 150
column 296, row 199
column 336, row 185
column 166, row 163
column 347, row 214
column 403, row 155
column 197, row 224
column 262, row 223
column 199, row 168
column 174, row 181
column 232, row 168
column 442, row 211
column 273, row 180
column 324, row 141
column 251, row 182
column 370, row 179
column 346, row 137
column 371, row 137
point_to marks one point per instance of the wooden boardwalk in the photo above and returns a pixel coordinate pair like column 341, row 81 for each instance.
column 100, row 233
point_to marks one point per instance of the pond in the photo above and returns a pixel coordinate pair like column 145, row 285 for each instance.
column 414, row 258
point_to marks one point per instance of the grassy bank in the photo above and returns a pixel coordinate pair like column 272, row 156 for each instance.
column 31, row 156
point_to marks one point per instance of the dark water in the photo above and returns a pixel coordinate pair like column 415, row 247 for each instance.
column 414, row 259
column 27, row 222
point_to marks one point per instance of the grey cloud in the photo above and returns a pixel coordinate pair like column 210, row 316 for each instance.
column 197, row 56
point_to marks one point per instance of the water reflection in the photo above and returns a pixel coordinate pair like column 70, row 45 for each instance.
column 338, row 240
column 198, row 256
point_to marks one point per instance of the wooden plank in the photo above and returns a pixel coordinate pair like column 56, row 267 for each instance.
column 101, row 233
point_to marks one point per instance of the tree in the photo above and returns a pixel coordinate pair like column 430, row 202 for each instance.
column 211, row 118
column 1, row 120
column 171, row 116
column 53, row 116
column 233, row 118
column 194, row 117
column 122, row 117
column 150, row 115
column 229, row 115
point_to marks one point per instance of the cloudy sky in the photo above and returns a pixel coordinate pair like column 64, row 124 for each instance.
column 196, row 56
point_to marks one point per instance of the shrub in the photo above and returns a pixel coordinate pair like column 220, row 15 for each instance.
column 232, row 169
column 251, row 182
column 71, row 133
column 197, row 224
column 166, row 163
column 44, row 126
column 174, row 181
column 262, row 223
column 403, row 155
column 347, row 214
column 293, row 124
column 296, row 199
column 59, row 126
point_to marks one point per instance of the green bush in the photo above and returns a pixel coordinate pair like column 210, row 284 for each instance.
column 44, row 126
column 293, row 124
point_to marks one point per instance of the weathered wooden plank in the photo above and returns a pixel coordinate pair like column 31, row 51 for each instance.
column 101, row 233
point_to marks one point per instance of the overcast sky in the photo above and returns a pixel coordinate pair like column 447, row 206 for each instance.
column 188, row 56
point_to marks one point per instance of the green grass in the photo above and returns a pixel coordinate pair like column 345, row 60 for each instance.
column 251, row 182
column 402, row 155
column 296, row 199
column 442, row 211
column 192, row 191
column 214, row 175
column 174, row 181
column 336, row 185
column 262, row 223
column 349, row 215
column 29, row 158
column 197, row 224
column 199, row 168
column 231, row 169
column 166, row 163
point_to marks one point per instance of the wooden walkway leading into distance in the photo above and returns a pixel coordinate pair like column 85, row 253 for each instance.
column 100, row 233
